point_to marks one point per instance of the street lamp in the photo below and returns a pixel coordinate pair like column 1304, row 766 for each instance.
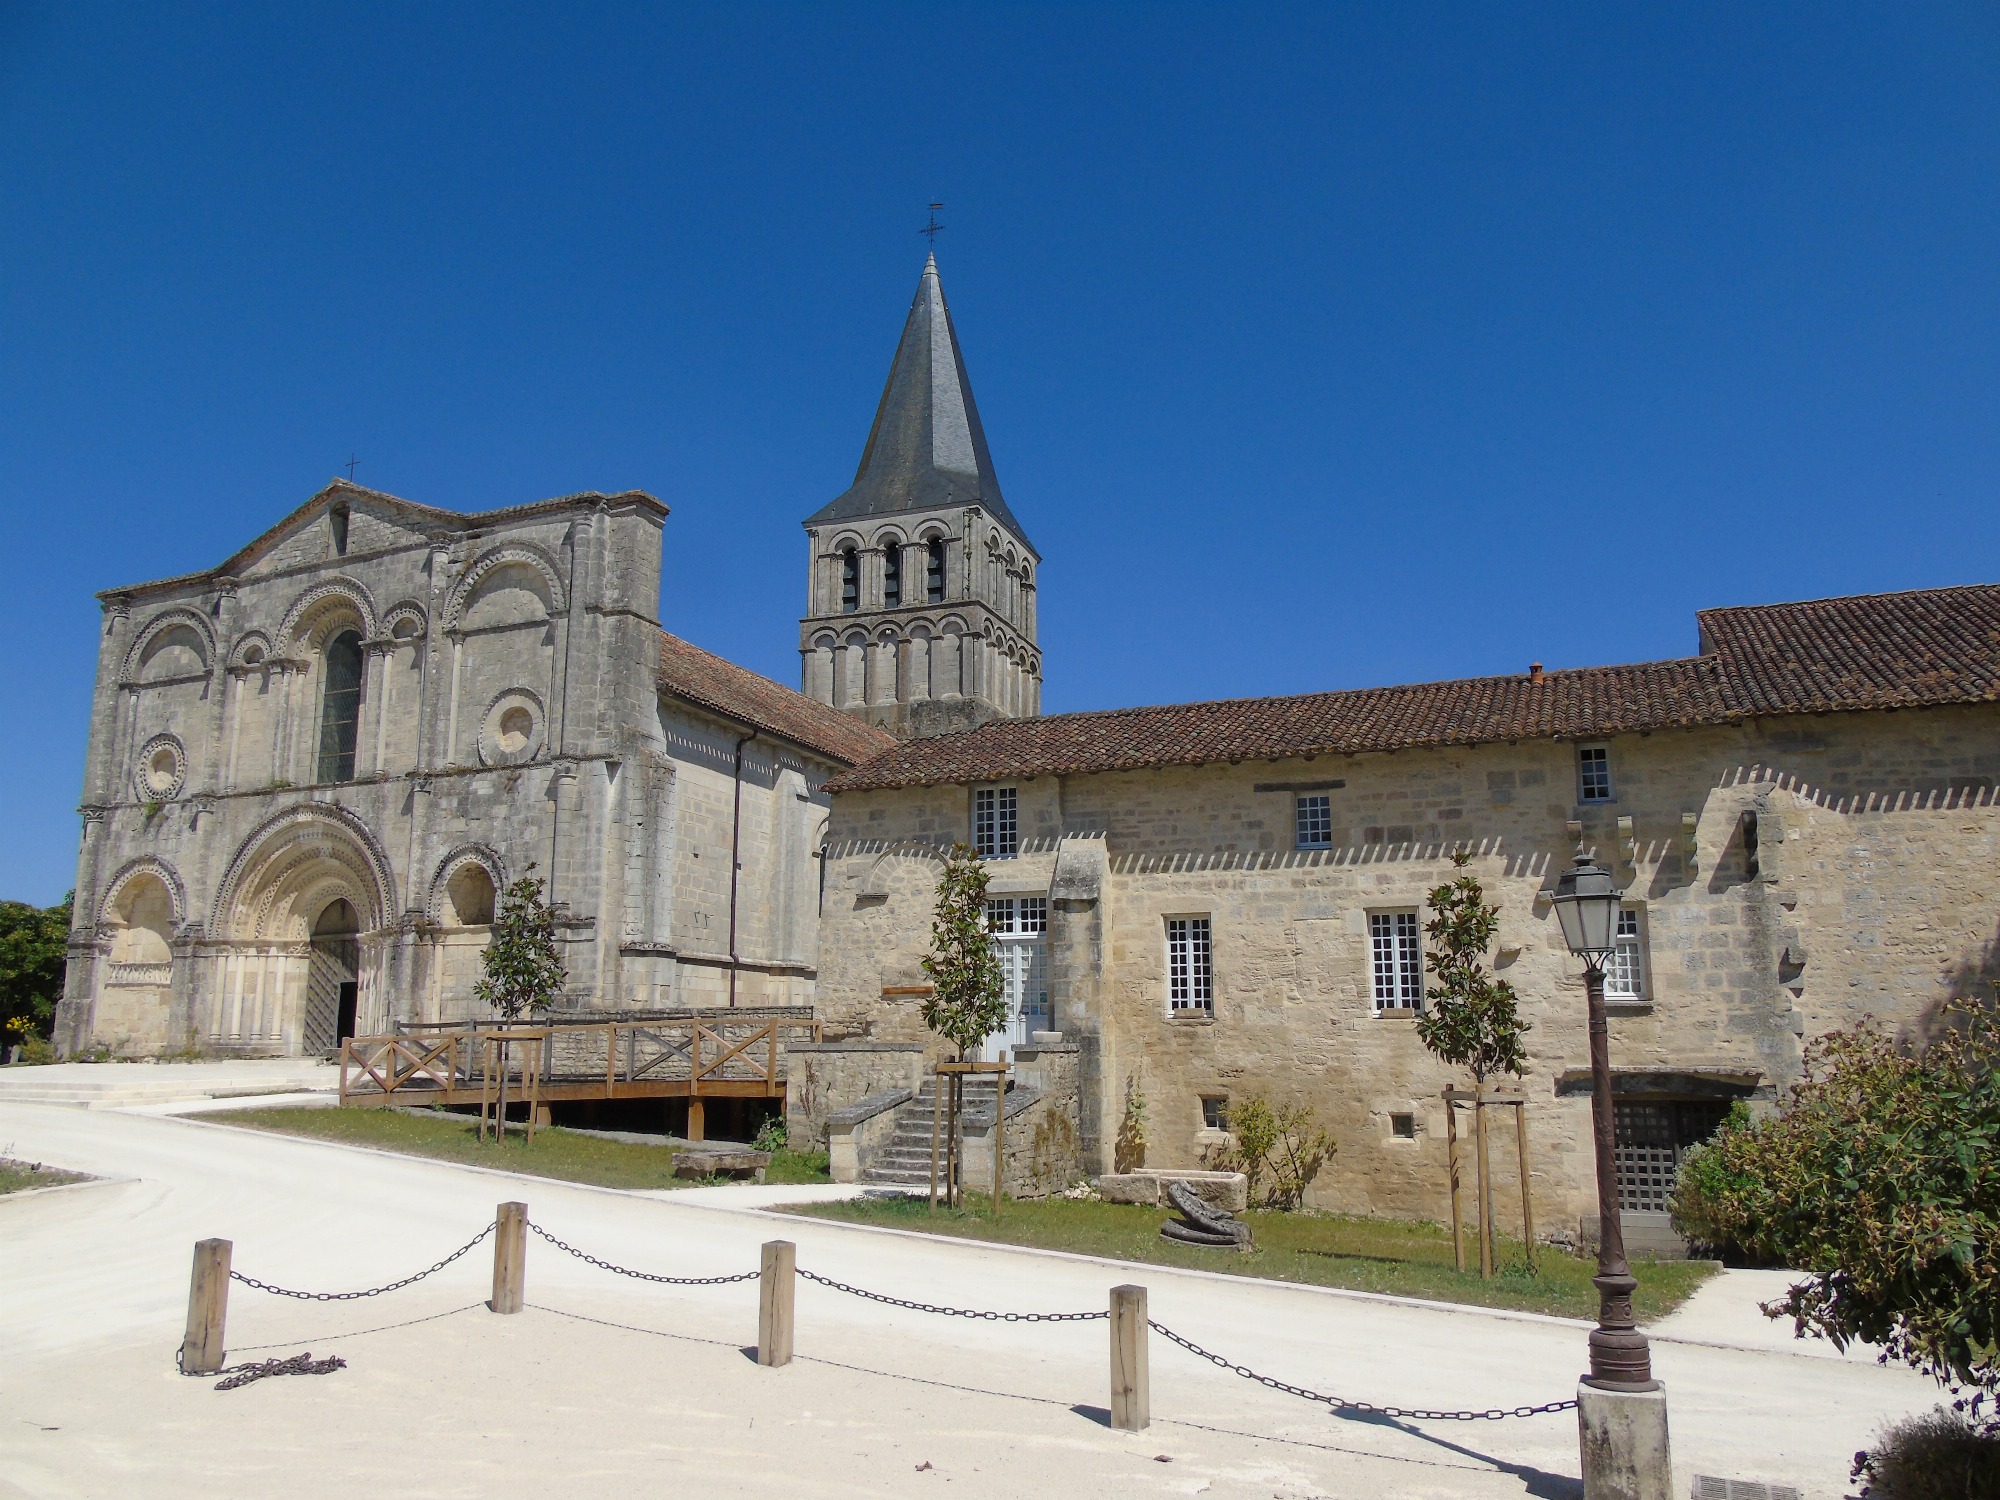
column 1587, row 903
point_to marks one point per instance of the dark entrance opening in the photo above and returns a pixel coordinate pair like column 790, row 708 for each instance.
column 332, row 978
column 1652, row 1137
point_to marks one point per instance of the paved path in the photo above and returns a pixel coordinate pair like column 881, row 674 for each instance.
column 657, row 1394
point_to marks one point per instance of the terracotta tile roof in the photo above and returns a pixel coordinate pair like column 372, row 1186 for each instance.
column 1866, row 651
column 1939, row 646
column 708, row 681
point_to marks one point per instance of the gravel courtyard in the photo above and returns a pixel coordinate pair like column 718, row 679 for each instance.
column 608, row 1384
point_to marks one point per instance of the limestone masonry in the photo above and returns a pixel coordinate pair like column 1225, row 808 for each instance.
column 311, row 769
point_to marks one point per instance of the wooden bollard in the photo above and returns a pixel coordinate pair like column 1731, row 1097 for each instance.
column 510, row 1257
column 774, row 1303
column 208, row 1308
column 1131, row 1400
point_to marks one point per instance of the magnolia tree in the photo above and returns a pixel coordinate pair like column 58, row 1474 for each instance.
column 1471, row 1020
column 523, row 972
column 968, row 1000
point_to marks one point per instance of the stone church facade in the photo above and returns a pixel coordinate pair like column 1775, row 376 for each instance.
column 312, row 768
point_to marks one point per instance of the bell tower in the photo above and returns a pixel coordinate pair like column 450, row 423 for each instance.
column 920, row 596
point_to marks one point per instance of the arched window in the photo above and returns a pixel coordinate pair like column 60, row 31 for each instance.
column 892, row 573
column 340, row 707
column 338, row 516
column 934, row 571
column 850, row 581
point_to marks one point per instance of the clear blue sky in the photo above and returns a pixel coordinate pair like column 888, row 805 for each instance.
column 1317, row 348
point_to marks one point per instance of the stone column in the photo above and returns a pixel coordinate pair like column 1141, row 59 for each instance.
column 370, row 733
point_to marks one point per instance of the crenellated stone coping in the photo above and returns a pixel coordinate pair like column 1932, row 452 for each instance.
column 866, row 1109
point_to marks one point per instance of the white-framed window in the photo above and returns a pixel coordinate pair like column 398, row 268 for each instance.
column 1593, row 773
column 1020, row 926
column 1313, row 817
column 1190, row 968
column 1396, row 960
column 995, row 823
column 1625, row 968
column 1214, row 1111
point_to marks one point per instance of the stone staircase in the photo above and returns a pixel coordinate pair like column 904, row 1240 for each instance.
column 906, row 1160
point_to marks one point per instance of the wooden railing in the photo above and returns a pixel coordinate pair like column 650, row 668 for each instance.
column 592, row 1059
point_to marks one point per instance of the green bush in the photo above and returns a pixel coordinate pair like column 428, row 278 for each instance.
column 1282, row 1142
column 770, row 1135
column 1880, row 1176
column 1940, row 1455
column 1707, row 1187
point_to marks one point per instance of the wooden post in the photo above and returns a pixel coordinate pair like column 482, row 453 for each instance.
column 510, row 1257
column 1521, row 1152
column 937, row 1116
column 1484, row 1227
column 697, row 1118
column 1451, row 1160
column 774, row 1303
column 955, row 1177
column 1131, row 1398
column 208, row 1308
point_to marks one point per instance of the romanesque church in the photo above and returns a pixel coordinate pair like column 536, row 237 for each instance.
column 311, row 768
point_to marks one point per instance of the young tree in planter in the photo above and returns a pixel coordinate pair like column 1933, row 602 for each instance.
column 968, row 1001
column 523, row 972
column 1470, row 1020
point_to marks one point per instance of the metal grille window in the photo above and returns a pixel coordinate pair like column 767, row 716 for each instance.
column 994, row 825
column 892, row 574
column 1190, row 977
column 1625, row 969
column 850, row 581
column 1652, row 1136
column 1593, row 773
column 1315, row 822
column 1397, row 960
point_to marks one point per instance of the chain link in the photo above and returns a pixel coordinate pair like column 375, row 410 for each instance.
column 373, row 1291
column 1342, row 1404
column 956, row 1312
column 242, row 1375
column 605, row 1265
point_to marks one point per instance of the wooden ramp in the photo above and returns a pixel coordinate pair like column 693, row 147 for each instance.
column 692, row 1056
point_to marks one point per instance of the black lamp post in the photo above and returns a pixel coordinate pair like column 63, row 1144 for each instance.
column 1587, row 902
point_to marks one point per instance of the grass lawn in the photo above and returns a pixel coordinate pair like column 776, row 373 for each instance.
column 19, row 1176
column 566, row 1155
column 1368, row 1255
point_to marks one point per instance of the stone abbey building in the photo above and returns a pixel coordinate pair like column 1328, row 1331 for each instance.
column 311, row 768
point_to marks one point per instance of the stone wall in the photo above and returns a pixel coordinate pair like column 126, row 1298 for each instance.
column 1876, row 836
column 509, row 719
column 828, row 1076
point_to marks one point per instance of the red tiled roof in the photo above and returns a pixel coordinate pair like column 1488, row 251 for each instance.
column 1866, row 651
column 1939, row 646
column 708, row 681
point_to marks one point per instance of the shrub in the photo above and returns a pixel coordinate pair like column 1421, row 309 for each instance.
column 1881, row 1177
column 1708, row 1183
column 1939, row 1455
column 770, row 1135
column 1129, row 1149
column 1283, row 1141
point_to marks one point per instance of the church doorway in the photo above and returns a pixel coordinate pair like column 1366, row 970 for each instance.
column 333, row 978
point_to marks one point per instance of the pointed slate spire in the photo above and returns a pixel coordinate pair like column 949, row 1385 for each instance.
column 926, row 450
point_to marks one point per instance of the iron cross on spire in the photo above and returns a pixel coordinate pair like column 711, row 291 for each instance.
column 351, row 462
column 930, row 230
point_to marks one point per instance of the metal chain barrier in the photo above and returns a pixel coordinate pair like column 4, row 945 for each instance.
column 957, row 1312
column 1341, row 1403
column 237, row 1376
column 605, row 1265
column 373, row 1291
